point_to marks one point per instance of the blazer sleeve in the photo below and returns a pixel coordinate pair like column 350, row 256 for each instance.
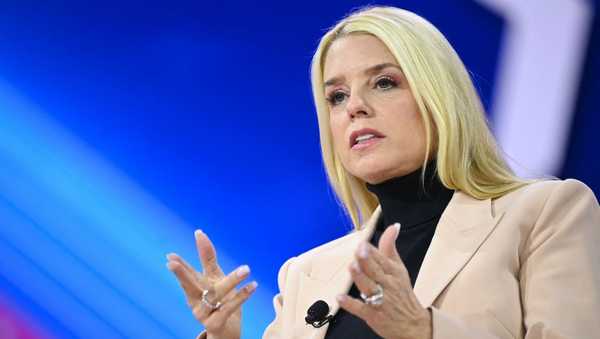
column 273, row 330
column 559, row 274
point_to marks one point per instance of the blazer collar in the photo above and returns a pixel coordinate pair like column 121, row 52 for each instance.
column 463, row 226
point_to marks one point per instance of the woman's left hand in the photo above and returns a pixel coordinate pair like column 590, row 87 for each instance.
column 400, row 315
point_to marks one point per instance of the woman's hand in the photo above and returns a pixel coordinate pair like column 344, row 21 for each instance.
column 223, row 322
column 400, row 315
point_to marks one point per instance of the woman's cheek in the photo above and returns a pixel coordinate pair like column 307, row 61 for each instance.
column 337, row 132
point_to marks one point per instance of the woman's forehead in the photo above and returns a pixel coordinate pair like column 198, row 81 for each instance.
column 354, row 54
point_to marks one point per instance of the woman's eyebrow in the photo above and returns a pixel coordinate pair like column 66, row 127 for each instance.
column 369, row 71
column 378, row 68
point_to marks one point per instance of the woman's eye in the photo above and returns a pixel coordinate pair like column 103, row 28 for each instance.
column 385, row 83
column 336, row 98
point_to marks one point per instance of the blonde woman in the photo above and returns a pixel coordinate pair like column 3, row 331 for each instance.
column 448, row 242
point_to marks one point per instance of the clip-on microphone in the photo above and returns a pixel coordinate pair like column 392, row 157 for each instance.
column 317, row 314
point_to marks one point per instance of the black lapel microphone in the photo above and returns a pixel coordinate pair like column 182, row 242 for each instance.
column 317, row 314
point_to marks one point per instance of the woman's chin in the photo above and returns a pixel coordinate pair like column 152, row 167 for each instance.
column 372, row 177
column 375, row 175
column 376, row 179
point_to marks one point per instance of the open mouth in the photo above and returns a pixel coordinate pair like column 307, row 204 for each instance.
column 364, row 137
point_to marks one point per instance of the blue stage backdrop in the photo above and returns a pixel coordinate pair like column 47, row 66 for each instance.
column 126, row 125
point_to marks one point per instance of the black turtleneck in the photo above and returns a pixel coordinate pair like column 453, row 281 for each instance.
column 417, row 206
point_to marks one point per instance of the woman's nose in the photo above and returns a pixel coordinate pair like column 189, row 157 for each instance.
column 357, row 106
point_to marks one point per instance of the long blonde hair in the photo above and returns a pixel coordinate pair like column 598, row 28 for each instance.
column 467, row 156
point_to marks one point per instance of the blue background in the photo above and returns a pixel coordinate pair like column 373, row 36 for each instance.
column 124, row 126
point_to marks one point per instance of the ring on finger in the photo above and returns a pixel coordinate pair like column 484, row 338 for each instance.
column 374, row 299
column 208, row 303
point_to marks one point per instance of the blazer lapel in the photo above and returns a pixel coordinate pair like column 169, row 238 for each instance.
column 328, row 277
column 463, row 227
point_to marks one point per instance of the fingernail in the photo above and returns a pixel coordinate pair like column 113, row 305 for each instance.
column 252, row 286
column 197, row 232
column 363, row 251
column 355, row 267
column 169, row 266
column 397, row 225
column 341, row 298
column 170, row 256
column 242, row 271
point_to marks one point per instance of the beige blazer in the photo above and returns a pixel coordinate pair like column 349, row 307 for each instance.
column 526, row 265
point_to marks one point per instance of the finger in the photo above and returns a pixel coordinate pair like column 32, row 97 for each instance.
column 370, row 266
column 387, row 242
column 227, row 284
column 199, row 278
column 381, row 268
column 387, row 265
column 187, row 281
column 176, row 258
column 217, row 318
column 356, row 307
column 201, row 312
column 208, row 255
column 391, row 267
column 365, row 284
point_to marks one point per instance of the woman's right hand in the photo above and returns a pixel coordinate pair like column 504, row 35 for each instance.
column 225, row 321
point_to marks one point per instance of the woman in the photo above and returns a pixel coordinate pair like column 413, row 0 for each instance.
column 472, row 250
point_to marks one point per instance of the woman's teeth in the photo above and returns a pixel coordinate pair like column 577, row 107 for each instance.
column 364, row 137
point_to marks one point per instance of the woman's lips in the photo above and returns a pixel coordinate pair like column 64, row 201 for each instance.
column 361, row 133
column 366, row 144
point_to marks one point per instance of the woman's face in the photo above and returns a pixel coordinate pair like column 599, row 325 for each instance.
column 377, row 130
